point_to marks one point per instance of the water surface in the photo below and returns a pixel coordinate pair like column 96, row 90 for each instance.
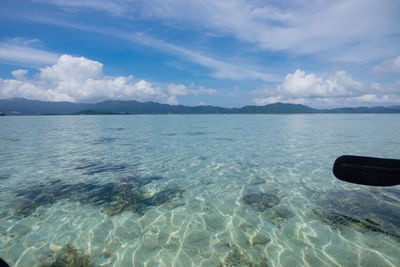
column 196, row 190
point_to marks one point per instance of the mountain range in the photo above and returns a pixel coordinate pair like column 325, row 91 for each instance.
column 20, row 106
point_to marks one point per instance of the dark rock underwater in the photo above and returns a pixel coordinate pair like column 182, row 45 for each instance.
column 374, row 210
column 113, row 197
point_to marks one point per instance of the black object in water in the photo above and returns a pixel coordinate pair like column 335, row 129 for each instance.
column 367, row 170
column 3, row 263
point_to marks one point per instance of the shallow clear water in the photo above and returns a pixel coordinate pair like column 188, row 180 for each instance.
column 194, row 190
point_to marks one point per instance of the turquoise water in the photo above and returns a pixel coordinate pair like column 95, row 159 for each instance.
column 194, row 190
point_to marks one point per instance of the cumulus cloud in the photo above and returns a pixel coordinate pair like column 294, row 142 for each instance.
column 177, row 89
column 182, row 90
column 204, row 90
column 200, row 90
column 268, row 100
column 78, row 79
column 300, row 84
column 389, row 66
column 339, row 89
column 72, row 69
column 19, row 74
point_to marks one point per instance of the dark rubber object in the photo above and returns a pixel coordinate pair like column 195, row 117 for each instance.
column 3, row 263
column 367, row 170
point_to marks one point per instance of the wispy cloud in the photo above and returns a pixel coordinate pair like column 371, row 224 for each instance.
column 115, row 7
column 303, row 27
column 21, row 52
column 220, row 69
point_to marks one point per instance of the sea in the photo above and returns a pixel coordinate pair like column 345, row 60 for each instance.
column 195, row 190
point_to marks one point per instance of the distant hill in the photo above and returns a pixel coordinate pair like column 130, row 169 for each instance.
column 363, row 110
column 92, row 112
column 20, row 106
column 395, row 107
column 277, row 108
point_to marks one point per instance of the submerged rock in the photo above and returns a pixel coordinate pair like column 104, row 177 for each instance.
column 259, row 239
column 169, row 134
column 235, row 258
column 105, row 140
column 361, row 210
column 196, row 133
column 90, row 167
column 163, row 196
column 260, row 201
column 278, row 214
column 256, row 181
column 113, row 197
column 224, row 139
column 70, row 257
column 238, row 259
column 283, row 212
column 119, row 129
column 4, row 176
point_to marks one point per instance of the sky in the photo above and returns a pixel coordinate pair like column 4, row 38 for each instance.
column 320, row 53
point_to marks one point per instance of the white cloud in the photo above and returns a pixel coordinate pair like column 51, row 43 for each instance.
column 221, row 69
column 300, row 27
column 177, row 89
column 207, row 91
column 300, row 84
column 376, row 87
column 389, row 66
column 340, row 89
column 182, row 90
column 20, row 52
column 267, row 100
column 172, row 100
column 19, row 74
column 72, row 69
column 368, row 99
column 114, row 7
column 201, row 90
column 79, row 80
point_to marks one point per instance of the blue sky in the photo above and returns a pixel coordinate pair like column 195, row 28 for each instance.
column 226, row 53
